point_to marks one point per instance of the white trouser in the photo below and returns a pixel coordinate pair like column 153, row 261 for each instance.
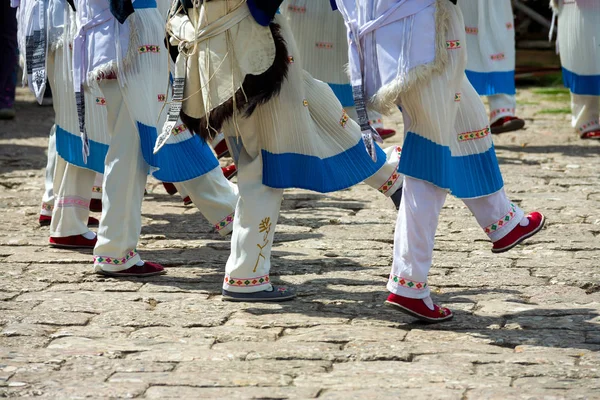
column 257, row 211
column 417, row 223
column 501, row 105
column 97, row 188
column 72, row 202
column 585, row 110
column 48, row 197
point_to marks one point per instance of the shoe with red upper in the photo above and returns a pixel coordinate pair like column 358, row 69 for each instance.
column 229, row 171
column 187, row 201
column 46, row 220
column 591, row 135
column 519, row 233
column 147, row 269
column 96, row 205
column 385, row 133
column 418, row 309
column 507, row 124
column 73, row 242
column 221, row 149
column 170, row 188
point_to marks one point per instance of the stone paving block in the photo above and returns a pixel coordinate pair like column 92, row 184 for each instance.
column 291, row 320
column 527, row 393
column 570, row 322
column 548, row 382
column 93, row 331
column 285, row 351
column 431, row 392
column 56, row 318
column 225, row 333
column 27, row 330
column 343, row 334
column 99, row 285
column 186, row 392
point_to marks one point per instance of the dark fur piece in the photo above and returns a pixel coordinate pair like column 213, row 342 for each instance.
column 259, row 89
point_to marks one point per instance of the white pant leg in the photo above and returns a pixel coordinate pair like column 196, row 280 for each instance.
column 247, row 269
column 48, row 197
column 387, row 179
column 417, row 222
column 501, row 105
column 215, row 197
column 496, row 215
column 97, row 188
column 585, row 110
column 72, row 203
column 181, row 189
column 125, row 177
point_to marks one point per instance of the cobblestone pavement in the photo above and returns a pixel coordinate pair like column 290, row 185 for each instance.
column 526, row 325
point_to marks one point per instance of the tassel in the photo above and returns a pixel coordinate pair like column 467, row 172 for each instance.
column 368, row 133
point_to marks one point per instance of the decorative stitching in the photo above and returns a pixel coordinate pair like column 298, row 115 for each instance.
column 162, row 98
column 101, row 101
column 149, row 48
column 96, row 189
column 47, row 207
column 178, row 129
column 471, row 30
column 225, row 222
column 480, row 134
column 502, row 221
column 375, row 121
column 588, row 125
column 457, row 97
column 509, row 25
column 498, row 57
column 324, row 45
column 453, row 44
column 263, row 227
column 115, row 260
column 297, row 9
column 393, row 178
column 344, row 119
column 73, row 201
column 498, row 111
column 407, row 283
column 290, row 59
column 305, row 103
column 247, row 282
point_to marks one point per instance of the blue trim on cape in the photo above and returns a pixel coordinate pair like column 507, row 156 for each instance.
column 141, row 4
column 581, row 84
column 176, row 162
column 344, row 93
column 491, row 83
column 466, row 177
column 293, row 170
column 68, row 146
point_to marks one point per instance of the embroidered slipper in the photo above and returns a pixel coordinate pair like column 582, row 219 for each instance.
column 507, row 124
column 520, row 233
column 187, row 201
column 279, row 293
column 96, row 205
column 418, row 309
column 385, row 133
column 591, row 135
column 142, row 271
column 72, row 242
column 170, row 188
column 229, row 171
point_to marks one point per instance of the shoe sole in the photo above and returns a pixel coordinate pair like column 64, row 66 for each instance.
column 274, row 299
column 513, row 125
column 116, row 274
column 223, row 154
column 419, row 316
column 96, row 210
column 70, row 246
column 231, row 176
column 45, row 223
column 530, row 234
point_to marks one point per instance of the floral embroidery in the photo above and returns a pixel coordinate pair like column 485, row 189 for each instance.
column 305, row 103
column 471, row 30
column 502, row 221
column 162, row 98
column 480, row 134
column 452, row 44
column 178, row 129
column 498, row 57
column 225, row 222
column 247, row 282
column 149, row 48
column 297, row 9
column 344, row 119
column 509, row 25
column 101, row 101
column 263, row 227
column 457, row 97
column 96, row 189
column 115, row 260
column 290, row 59
column 73, row 201
column 324, row 45
column 47, row 207
column 499, row 111
column 407, row 283
column 588, row 125
column 375, row 121
column 392, row 179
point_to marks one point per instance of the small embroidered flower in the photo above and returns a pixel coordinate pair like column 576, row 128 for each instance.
column 498, row 57
column 149, row 48
column 453, row 44
column 162, row 98
column 305, row 103
column 290, row 59
column 457, row 97
column 509, row 25
column 324, row 45
column 344, row 119
column 178, row 129
column 471, row 30
column 297, row 9
column 101, row 101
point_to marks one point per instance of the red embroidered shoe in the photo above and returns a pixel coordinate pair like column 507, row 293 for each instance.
column 418, row 309
column 385, row 133
column 96, row 205
column 46, row 220
column 221, row 149
column 148, row 269
column 591, row 135
column 520, row 233
column 187, row 201
column 72, row 242
column 170, row 188
column 507, row 124
column 229, row 171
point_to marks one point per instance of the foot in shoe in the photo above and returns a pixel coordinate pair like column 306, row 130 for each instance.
column 529, row 226
column 141, row 269
column 187, row 201
column 276, row 293
column 45, row 220
column 93, row 222
column 423, row 309
column 170, row 188
column 385, row 133
column 507, row 124
column 591, row 135
column 74, row 242
column 96, row 205
column 229, row 171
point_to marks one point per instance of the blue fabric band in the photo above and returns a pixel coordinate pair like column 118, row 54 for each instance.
column 581, row 84
column 68, row 147
column 141, row 4
column 344, row 93
column 491, row 83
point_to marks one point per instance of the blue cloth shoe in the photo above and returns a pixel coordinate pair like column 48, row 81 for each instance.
column 278, row 293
